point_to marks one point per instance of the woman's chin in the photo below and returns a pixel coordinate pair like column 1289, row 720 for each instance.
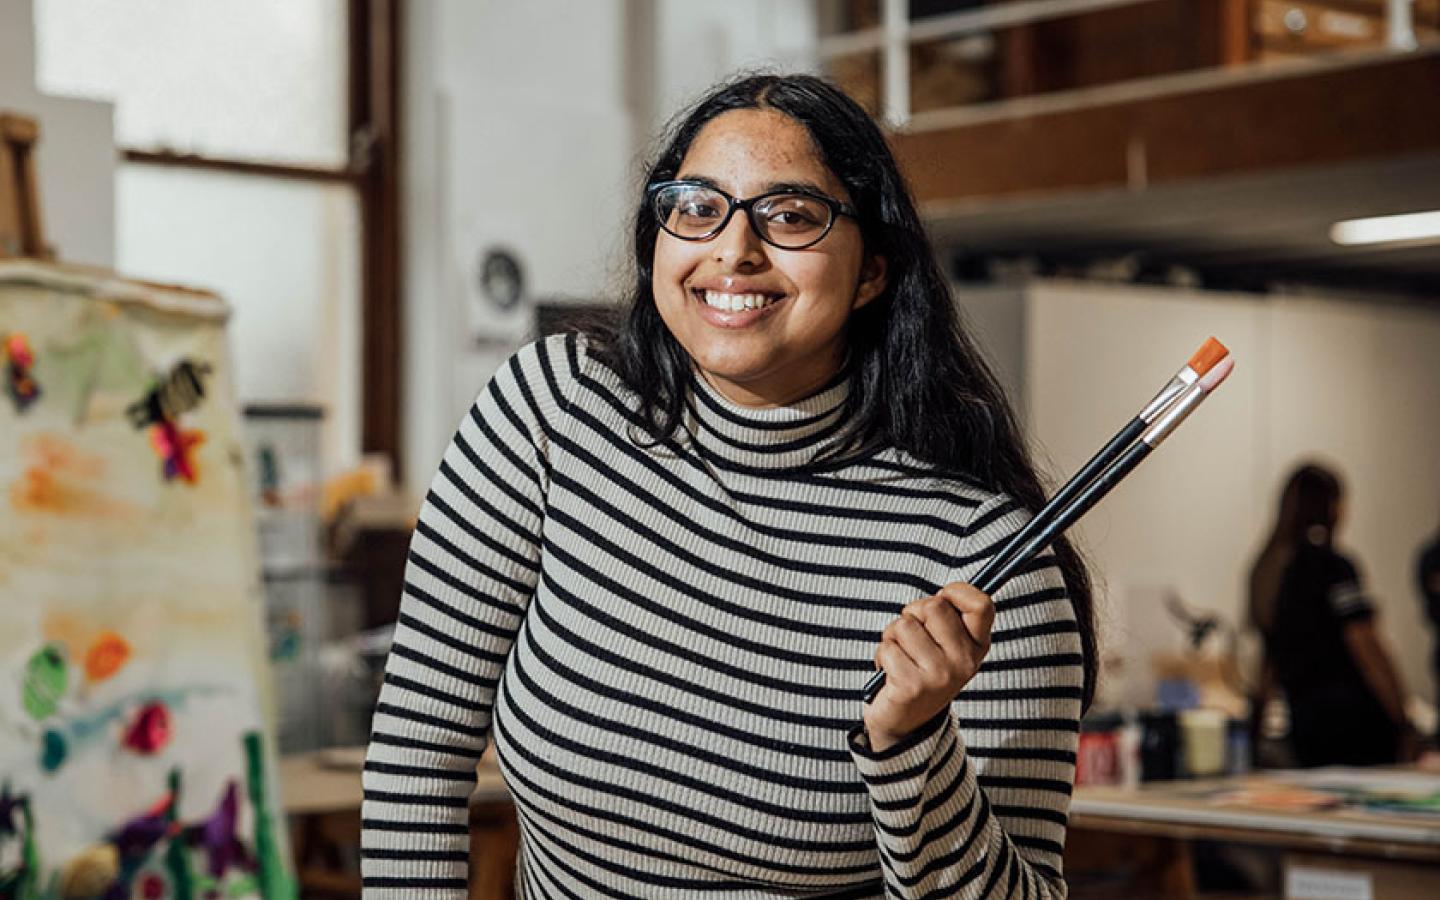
column 726, row 375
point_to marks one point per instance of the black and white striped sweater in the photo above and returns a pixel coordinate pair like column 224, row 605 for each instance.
column 668, row 644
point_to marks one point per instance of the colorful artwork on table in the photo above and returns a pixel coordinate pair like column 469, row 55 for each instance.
column 134, row 758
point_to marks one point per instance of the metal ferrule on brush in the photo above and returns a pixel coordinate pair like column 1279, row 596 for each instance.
column 1171, row 418
column 1182, row 380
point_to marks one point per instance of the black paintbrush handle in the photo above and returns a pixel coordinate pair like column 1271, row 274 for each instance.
column 1122, row 439
column 873, row 686
column 990, row 582
column 1078, row 507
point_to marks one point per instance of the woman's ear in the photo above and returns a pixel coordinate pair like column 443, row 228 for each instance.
column 872, row 280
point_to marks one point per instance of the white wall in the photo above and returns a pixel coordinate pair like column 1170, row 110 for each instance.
column 524, row 124
column 1350, row 383
column 697, row 44
column 517, row 136
column 994, row 316
column 285, row 255
column 76, row 156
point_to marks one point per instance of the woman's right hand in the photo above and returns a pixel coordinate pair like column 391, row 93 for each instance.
column 929, row 652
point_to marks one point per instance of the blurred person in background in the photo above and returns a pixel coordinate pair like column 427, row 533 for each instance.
column 1427, row 574
column 1322, row 646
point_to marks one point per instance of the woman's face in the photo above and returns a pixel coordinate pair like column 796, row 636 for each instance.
column 791, row 347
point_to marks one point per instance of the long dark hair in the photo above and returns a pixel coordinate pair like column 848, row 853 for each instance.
column 918, row 384
column 1309, row 505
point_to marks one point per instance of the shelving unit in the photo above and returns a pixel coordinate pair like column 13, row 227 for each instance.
column 905, row 59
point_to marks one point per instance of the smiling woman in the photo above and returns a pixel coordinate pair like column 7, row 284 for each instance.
column 659, row 561
column 811, row 272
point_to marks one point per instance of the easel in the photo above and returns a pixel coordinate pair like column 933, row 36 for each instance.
column 22, row 232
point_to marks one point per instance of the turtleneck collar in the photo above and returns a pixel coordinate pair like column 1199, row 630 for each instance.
column 776, row 437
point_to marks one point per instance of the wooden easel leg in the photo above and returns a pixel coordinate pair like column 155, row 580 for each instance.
column 494, row 841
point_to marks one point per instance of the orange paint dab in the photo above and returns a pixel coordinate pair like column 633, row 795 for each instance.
column 106, row 656
column 61, row 479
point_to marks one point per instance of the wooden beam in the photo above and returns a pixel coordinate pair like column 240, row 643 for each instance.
column 1235, row 31
column 1218, row 124
column 376, row 147
column 22, row 225
column 239, row 166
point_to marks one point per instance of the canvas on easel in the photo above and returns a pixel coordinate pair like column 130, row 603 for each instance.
column 135, row 759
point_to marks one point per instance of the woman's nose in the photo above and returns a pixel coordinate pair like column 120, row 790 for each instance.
column 737, row 244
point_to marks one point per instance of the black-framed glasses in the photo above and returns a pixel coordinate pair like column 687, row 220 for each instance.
column 790, row 219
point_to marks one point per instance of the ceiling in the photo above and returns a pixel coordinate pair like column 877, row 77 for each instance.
column 1253, row 230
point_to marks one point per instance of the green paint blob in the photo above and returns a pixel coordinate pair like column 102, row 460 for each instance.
column 53, row 750
column 29, row 887
column 177, row 854
column 46, row 676
column 275, row 882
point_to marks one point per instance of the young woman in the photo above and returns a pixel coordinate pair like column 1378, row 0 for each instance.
column 1427, row 579
column 1321, row 644
column 659, row 562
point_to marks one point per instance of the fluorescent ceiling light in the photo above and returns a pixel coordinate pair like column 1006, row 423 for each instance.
column 1421, row 226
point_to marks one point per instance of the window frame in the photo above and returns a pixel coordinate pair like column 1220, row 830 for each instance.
column 374, row 171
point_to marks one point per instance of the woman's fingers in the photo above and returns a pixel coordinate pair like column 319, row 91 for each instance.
column 912, row 634
column 929, row 652
column 899, row 668
column 945, row 626
column 976, row 609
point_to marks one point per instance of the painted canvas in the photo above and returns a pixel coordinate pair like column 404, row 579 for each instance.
column 134, row 754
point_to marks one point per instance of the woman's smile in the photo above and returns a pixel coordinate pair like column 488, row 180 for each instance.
column 735, row 303
column 763, row 324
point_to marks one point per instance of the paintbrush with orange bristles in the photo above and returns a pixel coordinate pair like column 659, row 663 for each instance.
column 1204, row 359
column 1163, row 414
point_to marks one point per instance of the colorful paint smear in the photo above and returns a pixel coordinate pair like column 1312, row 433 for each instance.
column 139, row 836
column 152, row 887
column 54, row 750
column 150, row 730
column 152, row 854
column 108, row 653
column 177, row 855
column 219, row 837
column 174, row 446
column 61, row 479
column 46, row 676
column 91, row 872
column 17, row 822
column 274, row 880
column 178, row 393
column 19, row 377
column 71, row 736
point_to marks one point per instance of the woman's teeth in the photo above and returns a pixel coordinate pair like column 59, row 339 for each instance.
column 736, row 302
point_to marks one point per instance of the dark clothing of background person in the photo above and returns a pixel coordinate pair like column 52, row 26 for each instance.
column 1428, row 575
column 1336, row 719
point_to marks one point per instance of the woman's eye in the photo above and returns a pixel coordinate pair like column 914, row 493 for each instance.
column 698, row 210
column 792, row 218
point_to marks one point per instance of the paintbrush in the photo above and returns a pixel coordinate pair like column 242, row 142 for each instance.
column 1163, row 414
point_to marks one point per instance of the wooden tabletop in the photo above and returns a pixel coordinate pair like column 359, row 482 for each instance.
column 328, row 781
column 1196, row 809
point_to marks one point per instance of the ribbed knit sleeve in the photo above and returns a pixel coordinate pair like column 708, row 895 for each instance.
column 473, row 566
column 987, row 818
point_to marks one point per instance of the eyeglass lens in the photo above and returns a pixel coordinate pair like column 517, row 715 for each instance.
column 694, row 212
